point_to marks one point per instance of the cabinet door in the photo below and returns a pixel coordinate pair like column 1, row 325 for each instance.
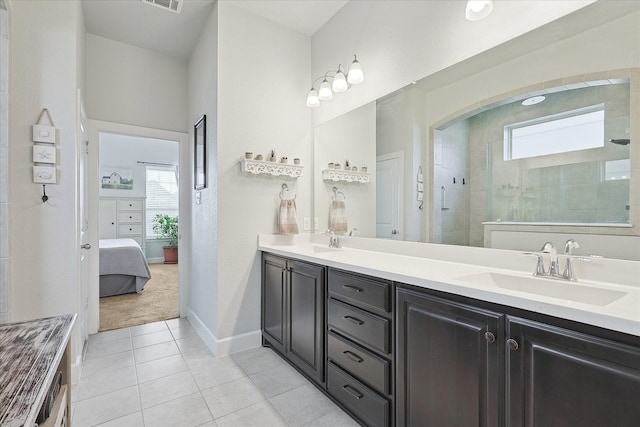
column 274, row 300
column 108, row 219
column 556, row 377
column 448, row 361
column 305, row 344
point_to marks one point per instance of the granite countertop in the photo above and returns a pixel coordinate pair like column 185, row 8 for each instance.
column 29, row 355
column 472, row 272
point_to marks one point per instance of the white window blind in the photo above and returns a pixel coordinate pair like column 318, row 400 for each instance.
column 162, row 194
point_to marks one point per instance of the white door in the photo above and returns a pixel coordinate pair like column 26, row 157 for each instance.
column 389, row 195
column 84, row 218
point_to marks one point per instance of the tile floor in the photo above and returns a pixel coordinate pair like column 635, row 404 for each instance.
column 162, row 374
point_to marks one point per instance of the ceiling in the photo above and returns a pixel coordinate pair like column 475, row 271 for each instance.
column 138, row 24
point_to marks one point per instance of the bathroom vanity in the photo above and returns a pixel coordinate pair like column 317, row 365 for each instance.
column 35, row 372
column 405, row 335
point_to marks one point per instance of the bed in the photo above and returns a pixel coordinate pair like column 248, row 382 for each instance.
column 123, row 267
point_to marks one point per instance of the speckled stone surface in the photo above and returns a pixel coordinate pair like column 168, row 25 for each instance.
column 29, row 353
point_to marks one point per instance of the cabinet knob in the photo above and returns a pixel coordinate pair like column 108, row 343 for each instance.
column 489, row 337
column 113, row 223
column 512, row 344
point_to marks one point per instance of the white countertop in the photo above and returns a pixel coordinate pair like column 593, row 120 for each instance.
column 437, row 267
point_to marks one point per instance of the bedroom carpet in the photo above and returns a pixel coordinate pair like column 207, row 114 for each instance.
column 158, row 301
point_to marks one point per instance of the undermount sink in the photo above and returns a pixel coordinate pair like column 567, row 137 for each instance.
column 324, row 249
column 570, row 291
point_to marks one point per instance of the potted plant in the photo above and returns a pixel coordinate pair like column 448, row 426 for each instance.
column 166, row 228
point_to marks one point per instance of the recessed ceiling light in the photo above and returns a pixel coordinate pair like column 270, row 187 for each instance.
column 533, row 100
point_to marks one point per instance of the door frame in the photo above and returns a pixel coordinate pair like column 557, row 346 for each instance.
column 400, row 156
column 184, row 242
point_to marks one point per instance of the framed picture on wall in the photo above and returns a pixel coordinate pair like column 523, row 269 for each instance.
column 200, row 153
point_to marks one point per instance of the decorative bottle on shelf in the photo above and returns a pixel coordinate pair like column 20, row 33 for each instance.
column 273, row 156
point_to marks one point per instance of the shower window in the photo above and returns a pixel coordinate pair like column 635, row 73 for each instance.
column 573, row 130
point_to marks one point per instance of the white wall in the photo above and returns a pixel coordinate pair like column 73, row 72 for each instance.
column 124, row 151
column 135, row 86
column 203, row 225
column 351, row 136
column 398, row 42
column 44, row 242
column 252, row 115
column 4, row 166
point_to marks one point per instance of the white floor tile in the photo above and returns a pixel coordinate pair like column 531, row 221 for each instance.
column 167, row 388
column 258, row 359
column 187, row 411
column 280, row 379
column 133, row 420
column 110, row 335
column 155, row 352
column 105, row 348
column 106, row 382
column 198, row 357
column 185, row 330
column 149, row 328
column 178, row 322
column 106, row 407
column 190, row 343
column 107, row 363
column 218, row 371
column 259, row 415
column 232, row 396
column 336, row 418
column 302, row 405
column 151, row 339
column 160, row 368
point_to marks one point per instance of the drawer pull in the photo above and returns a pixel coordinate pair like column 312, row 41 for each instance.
column 352, row 391
column 352, row 288
column 354, row 320
column 353, row 356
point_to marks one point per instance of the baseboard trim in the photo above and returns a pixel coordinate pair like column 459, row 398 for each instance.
column 207, row 336
column 225, row 346
column 155, row 260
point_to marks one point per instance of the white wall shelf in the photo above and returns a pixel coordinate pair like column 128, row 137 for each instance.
column 259, row 167
column 347, row 176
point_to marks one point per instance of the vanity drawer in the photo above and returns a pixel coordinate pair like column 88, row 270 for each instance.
column 366, row 404
column 130, row 217
column 130, row 205
column 130, row 229
column 360, row 290
column 361, row 363
column 362, row 326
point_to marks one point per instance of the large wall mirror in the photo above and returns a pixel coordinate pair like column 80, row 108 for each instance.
column 528, row 142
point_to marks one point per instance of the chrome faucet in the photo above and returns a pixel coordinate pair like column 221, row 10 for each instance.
column 334, row 241
column 553, row 271
column 549, row 248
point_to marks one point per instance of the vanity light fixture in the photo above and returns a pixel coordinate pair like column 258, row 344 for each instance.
column 340, row 82
column 478, row 9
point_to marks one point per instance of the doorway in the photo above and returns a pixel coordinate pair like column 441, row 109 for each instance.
column 389, row 195
column 136, row 176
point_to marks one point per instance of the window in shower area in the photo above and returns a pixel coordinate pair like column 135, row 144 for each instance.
column 573, row 130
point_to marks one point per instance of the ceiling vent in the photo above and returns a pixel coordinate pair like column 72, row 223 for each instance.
column 174, row 6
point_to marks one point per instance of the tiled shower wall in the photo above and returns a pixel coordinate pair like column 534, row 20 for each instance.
column 4, row 165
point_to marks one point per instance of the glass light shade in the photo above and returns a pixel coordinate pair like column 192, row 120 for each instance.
column 325, row 93
column 478, row 9
column 312, row 99
column 339, row 82
column 355, row 75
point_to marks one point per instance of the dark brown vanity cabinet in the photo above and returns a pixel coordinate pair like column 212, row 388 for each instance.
column 459, row 364
column 293, row 307
column 360, row 346
column 449, row 357
column 558, row 377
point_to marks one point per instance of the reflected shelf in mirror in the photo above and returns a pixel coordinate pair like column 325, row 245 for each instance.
column 346, row 176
